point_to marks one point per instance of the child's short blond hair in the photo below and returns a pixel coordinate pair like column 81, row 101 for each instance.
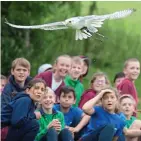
column 77, row 60
column 21, row 62
column 130, row 60
column 127, row 96
column 47, row 91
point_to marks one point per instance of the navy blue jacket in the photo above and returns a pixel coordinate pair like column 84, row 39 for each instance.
column 11, row 89
column 19, row 111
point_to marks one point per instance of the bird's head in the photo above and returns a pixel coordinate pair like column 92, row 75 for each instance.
column 71, row 21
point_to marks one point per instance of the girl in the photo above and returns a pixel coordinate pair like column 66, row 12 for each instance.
column 105, row 124
column 19, row 114
column 55, row 79
column 98, row 81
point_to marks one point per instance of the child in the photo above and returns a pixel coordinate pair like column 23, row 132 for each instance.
column 98, row 82
column 119, row 77
column 131, row 71
column 18, row 80
column 19, row 114
column 72, row 79
column 3, row 82
column 52, row 121
column 75, row 119
column 105, row 124
column 44, row 67
column 86, row 64
column 54, row 79
column 133, row 126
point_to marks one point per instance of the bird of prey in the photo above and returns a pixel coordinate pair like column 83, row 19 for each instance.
column 84, row 25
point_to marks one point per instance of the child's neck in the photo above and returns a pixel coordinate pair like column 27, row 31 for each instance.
column 73, row 78
column 110, row 111
column 56, row 77
column 128, row 117
column 64, row 110
column 130, row 79
column 47, row 111
column 21, row 84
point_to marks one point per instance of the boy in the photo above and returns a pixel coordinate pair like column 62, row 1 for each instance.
column 3, row 82
column 72, row 79
column 55, row 79
column 18, row 80
column 19, row 114
column 131, row 71
column 105, row 124
column 119, row 77
column 133, row 126
column 75, row 119
column 52, row 121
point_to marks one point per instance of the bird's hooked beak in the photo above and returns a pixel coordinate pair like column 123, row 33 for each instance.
column 68, row 22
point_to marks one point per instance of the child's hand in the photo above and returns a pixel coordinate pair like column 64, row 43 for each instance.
column 102, row 92
column 37, row 114
column 73, row 130
column 56, row 124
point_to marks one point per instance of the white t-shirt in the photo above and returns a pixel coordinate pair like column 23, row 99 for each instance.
column 55, row 84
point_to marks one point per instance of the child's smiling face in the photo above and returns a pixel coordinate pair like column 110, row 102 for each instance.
column 132, row 70
column 48, row 99
column 62, row 66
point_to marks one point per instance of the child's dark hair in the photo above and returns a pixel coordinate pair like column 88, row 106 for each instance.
column 66, row 90
column 35, row 81
column 87, row 62
column 119, row 75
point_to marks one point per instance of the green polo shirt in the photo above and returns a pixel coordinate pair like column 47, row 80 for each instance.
column 130, row 121
column 78, row 87
column 46, row 119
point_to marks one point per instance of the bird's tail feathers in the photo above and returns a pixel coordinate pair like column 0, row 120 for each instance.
column 92, row 29
column 82, row 35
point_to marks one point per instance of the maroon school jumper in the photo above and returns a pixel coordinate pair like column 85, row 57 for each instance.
column 128, row 87
column 86, row 96
column 47, row 76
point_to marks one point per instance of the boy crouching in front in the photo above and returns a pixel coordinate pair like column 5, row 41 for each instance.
column 52, row 121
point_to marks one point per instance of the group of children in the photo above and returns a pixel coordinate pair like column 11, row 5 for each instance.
column 53, row 106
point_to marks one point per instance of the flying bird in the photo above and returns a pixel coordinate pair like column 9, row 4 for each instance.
column 85, row 26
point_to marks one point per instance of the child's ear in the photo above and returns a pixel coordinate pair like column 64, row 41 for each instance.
column 124, row 71
column 58, row 99
column 74, row 101
column 28, row 72
column 27, row 90
column 12, row 71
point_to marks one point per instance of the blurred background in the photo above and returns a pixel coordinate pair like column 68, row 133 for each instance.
column 39, row 46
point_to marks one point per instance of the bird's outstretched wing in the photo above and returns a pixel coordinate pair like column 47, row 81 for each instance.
column 50, row 26
column 92, row 22
column 100, row 18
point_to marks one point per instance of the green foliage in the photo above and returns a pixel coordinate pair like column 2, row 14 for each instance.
column 39, row 46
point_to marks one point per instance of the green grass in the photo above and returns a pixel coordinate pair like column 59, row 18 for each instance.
column 132, row 22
